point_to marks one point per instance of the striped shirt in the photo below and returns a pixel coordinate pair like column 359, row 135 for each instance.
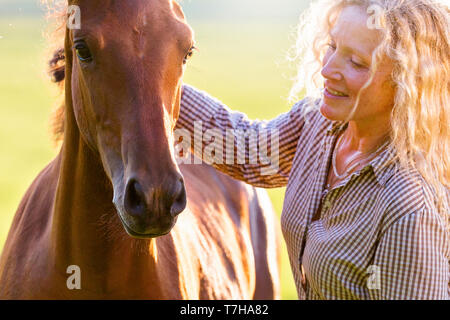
column 379, row 235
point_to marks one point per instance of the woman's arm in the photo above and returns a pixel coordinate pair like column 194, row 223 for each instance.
column 413, row 259
column 257, row 152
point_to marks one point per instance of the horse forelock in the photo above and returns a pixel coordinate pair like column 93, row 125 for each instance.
column 55, row 13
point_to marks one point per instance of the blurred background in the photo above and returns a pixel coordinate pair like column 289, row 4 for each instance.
column 242, row 44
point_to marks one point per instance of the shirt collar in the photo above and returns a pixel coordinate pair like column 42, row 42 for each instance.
column 383, row 166
column 336, row 127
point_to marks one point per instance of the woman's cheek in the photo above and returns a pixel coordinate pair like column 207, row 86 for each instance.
column 355, row 82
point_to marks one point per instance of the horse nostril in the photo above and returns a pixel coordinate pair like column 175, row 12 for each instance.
column 134, row 198
column 179, row 203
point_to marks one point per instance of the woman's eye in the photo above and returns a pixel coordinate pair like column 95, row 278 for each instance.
column 357, row 65
column 331, row 46
column 189, row 55
column 83, row 52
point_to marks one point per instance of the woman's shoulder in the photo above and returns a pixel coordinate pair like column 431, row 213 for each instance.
column 407, row 193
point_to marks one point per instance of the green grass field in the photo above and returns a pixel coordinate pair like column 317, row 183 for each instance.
column 237, row 63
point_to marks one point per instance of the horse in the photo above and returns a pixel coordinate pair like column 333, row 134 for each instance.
column 114, row 204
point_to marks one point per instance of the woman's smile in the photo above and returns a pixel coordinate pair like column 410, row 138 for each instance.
column 332, row 94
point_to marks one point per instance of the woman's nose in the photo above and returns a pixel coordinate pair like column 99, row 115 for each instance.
column 330, row 69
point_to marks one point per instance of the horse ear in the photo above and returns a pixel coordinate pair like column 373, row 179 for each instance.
column 177, row 10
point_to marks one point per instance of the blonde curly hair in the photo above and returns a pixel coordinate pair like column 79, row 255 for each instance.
column 416, row 36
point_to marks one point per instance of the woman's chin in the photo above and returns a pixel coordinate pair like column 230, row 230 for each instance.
column 330, row 112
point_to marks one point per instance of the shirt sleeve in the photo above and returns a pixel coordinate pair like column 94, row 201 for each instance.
column 413, row 259
column 257, row 152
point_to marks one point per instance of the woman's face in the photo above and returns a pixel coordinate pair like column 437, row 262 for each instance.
column 346, row 69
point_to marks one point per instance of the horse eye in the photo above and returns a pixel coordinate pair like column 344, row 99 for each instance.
column 189, row 55
column 83, row 52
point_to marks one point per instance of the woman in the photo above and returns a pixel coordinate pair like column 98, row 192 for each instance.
column 367, row 161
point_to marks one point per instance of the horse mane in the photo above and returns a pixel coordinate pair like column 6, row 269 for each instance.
column 55, row 13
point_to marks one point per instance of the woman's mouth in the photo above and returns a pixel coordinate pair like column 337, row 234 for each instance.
column 330, row 93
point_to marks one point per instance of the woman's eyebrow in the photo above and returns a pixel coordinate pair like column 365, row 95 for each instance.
column 350, row 49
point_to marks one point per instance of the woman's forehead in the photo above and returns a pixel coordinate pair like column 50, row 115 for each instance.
column 352, row 31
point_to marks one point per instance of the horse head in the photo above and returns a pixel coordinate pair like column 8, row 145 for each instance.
column 124, row 67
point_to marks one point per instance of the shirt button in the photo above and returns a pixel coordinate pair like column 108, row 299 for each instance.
column 327, row 204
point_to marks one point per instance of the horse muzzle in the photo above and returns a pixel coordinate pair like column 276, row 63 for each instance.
column 153, row 211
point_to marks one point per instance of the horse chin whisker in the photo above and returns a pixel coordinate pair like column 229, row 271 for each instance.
column 112, row 231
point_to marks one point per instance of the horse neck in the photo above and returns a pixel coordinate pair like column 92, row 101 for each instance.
column 83, row 195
